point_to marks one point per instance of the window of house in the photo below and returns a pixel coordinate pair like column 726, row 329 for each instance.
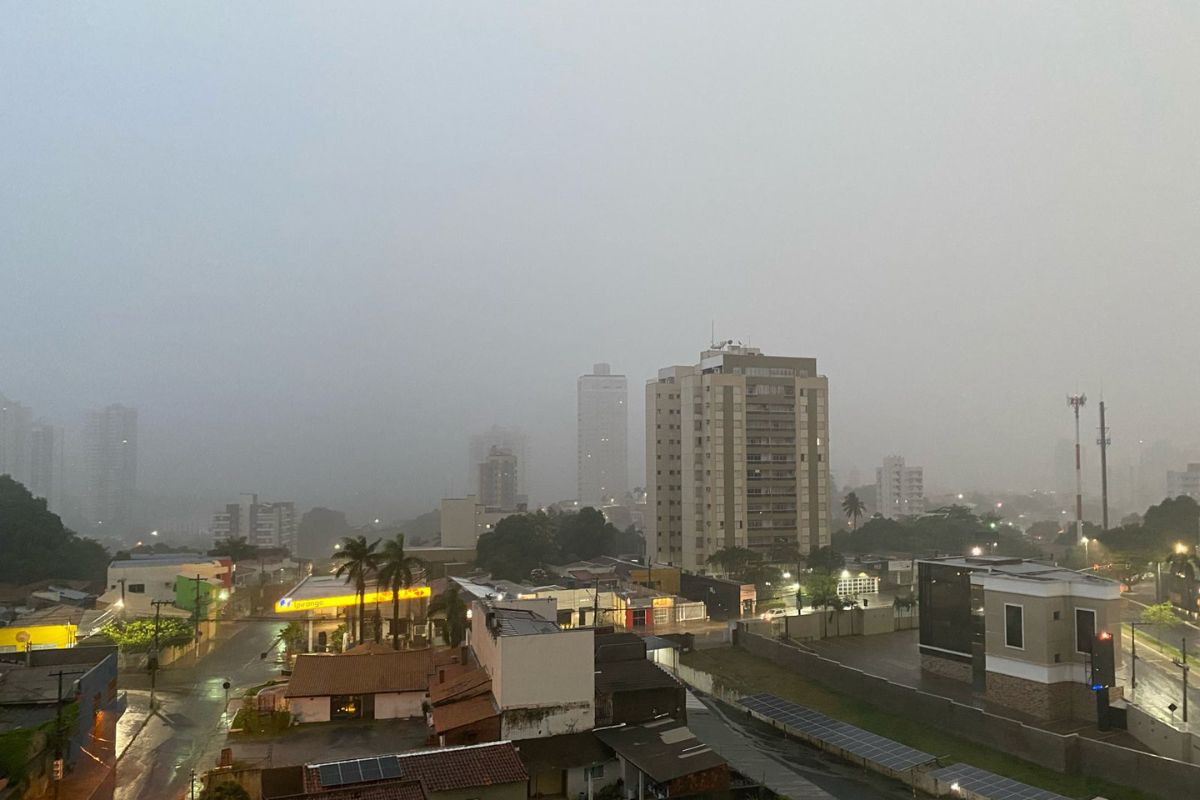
column 1085, row 629
column 1014, row 626
column 136, row 588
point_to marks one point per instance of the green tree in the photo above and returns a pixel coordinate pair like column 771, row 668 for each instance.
column 585, row 535
column 225, row 791
column 826, row 560
column 396, row 571
column 822, row 591
column 453, row 605
column 235, row 548
column 35, row 544
column 854, row 508
column 519, row 544
column 733, row 561
column 359, row 563
column 292, row 636
column 1161, row 614
column 137, row 635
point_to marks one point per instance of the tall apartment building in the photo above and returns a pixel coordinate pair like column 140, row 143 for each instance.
column 1183, row 483
column 46, row 475
column 498, row 480
column 512, row 439
column 737, row 454
column 603, row 436
column 16, row 422
column 899, row 489
column 110, row 468
column 260, row 524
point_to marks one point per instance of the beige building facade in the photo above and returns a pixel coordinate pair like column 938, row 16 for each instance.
column 737, row 454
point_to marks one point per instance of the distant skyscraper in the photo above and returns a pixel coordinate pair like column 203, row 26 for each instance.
column 603, row 435
column 511, row 439
column 260, row 524
column 737, row 454
column 46, row 465
column 899, row 489
column 16, row 422
column 1184, row 483
column 110, row 468
column 498, row 480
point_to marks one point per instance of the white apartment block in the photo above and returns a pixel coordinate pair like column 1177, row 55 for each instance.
column 498, row 480
column 16, row 422
column 899, row 489
column 465, row 519
column 46, row 474
column 1184, row 483
column 737, row 454
column 511, row 439
column 260, row 524
column 603, row 435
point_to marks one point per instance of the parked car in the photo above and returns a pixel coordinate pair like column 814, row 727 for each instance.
column 775, row 614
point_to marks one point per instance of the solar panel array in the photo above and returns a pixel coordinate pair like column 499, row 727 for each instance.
column 990, row 785
column 358, row 770
column 890, row 754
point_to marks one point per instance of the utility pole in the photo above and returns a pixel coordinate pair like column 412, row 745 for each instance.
column 59, row 734
column 1133, row 658
column 1104, row 441
column 196, row 614
column 154, row 653
column 1076, row 402
column 1183, row 665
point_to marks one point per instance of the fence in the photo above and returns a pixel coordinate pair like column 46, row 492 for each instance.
column 1069, row 754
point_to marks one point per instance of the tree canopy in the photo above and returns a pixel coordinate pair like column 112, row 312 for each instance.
column 953, row 529
column 36, row 545
column 521, row 543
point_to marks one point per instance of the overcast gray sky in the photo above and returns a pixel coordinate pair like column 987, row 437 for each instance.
column 318, row 245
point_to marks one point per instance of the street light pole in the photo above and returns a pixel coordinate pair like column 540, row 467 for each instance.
column 1133, row 626
column 1183, row 665
column 158, row 604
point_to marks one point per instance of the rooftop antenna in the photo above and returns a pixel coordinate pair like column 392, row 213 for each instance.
column 1104, row 441
column 712, row 334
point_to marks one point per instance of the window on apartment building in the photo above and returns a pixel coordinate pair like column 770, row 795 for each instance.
column 1014, row 626
column 1085, row 629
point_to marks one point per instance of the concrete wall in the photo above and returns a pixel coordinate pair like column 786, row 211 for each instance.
column 399, row 705
column 309, row 709
column 501, row 791
column 1070, row 754
column 854, row 622
column 1161, row 737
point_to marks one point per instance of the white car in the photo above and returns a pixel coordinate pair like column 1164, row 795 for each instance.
column 774, row 614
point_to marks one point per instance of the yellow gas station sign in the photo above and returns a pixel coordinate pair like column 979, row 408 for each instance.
column 288, row 604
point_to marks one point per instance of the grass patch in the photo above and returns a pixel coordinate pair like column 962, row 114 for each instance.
column 248, row 722
column 737, row 668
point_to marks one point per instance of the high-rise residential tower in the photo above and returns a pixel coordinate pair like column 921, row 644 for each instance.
column 110, row 468
column 737, row 454
column 603, row 440
column 260, row 524
column 512, row 439
column 498, row 480
column 16, row 423
column 46, row 465
column 899, row 489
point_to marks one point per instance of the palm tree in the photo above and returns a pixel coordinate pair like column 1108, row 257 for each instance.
column 359, row 562
column 452, row 603
column 854, row 507
column 396, row 572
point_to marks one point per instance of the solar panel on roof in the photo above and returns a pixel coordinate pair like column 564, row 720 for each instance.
column 990, row 785
column 857, row 741
column 370, row 769
column 390, row 766
column 351, row 772
column 330, row 775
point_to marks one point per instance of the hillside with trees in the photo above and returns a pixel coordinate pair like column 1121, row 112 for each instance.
column 36, row 545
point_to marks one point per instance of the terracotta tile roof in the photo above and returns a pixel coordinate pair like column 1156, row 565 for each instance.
column 369, row 648
column 444, row 769
column 395, row 671
column 388, row 790
column 471, row 683
column 448, row 655
column 455, row 715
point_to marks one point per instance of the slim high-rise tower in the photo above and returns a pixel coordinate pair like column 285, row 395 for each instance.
column 1076, row 402
column 602, row 443
column 110, row 468
column 16, row 423
column 737, row 454
column 46, row 464
column 1104, row 442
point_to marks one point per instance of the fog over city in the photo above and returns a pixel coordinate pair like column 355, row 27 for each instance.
column 318, row 251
